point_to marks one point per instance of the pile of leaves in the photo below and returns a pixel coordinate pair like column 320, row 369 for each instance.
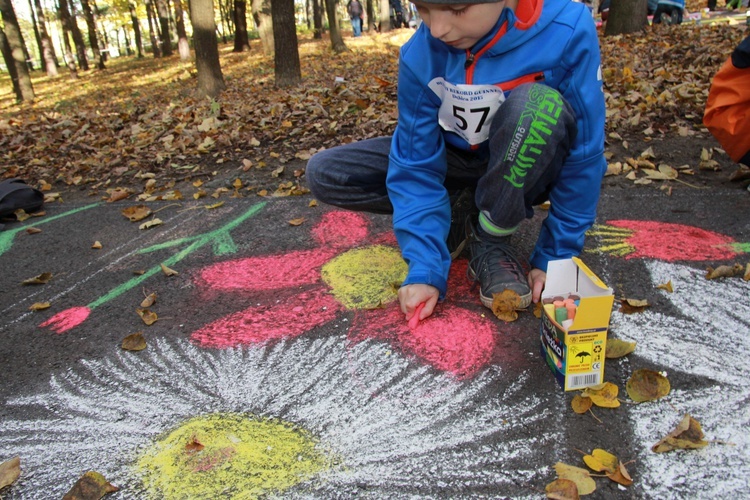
column 138, row 120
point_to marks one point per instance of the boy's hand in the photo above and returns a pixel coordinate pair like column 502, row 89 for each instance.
column 410, row 296
column 536, row 280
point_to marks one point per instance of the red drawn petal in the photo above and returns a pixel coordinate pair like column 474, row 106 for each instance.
column 287, row 319
column 67, row 319
column 454, row 340
column 273, row 272
column 675, row 242
column 341, row 229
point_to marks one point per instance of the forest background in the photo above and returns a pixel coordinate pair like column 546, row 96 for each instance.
column 214, row 108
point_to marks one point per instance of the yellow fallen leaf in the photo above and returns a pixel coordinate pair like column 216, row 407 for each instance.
column 724, row 272
column 237, row 183
column 21, row 215
column 97, row 245
column 581, row 404
column 617, row 348
column 215, row 205
column 39, row 306
column 152, row 223
column 581, row 477
column 297, row 222
column 666, row 286
column 314, row 203
column 33, row 230
column 601, row 460
column 604, row 395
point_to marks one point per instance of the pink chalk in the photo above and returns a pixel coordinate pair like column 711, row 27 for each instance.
column 414, row 321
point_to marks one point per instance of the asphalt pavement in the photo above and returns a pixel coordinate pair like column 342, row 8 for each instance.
column 279, row 366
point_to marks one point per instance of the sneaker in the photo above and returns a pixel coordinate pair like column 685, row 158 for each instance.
column 495, row 266
column 463, row 211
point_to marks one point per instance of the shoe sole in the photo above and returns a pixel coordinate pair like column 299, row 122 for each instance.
column 487, row 301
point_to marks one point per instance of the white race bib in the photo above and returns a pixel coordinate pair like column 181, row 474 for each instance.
column 467, row 110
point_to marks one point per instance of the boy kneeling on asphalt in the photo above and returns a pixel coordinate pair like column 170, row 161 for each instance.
column 500, row 108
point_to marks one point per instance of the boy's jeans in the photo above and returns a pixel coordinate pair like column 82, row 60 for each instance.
column 530, row 137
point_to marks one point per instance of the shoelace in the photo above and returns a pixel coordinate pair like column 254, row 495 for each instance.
column 483, row 261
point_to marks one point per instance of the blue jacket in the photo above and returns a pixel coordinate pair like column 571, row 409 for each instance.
column 553, row 42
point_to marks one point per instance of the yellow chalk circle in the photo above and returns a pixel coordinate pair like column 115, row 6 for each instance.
column 364, row 278
column 228, row 455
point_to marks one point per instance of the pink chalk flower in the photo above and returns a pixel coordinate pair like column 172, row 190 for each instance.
column 296, row 292
column 67, row 319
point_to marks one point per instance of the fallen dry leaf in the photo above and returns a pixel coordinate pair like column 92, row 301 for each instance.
column 134, row 342
column 724, row 272
column 581, row 404
column 149, row 300
column 647, row 385
column 152, row 223
column 91, row 486
column 603, row 395
column 666, row 286
column 687, row 435
column 39, row 306
column 40, row 279
column 148, row 317
column 136, row 212
column 617, row 348
column 33, row 230
column 630, row 306
column 505, row 304
column 167, row 271
column 581, row 477
column 562, row 489
column 97, row 245
column 297, row 222
column 194, row 446
column 118, row 194
column 9, row 471
column 620, row 476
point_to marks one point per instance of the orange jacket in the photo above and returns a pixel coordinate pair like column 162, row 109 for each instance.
column 727, row 113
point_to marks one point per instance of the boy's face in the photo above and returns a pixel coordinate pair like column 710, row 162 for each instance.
column 461, row 25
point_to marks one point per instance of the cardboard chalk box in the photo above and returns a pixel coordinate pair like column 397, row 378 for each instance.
column 574, row 349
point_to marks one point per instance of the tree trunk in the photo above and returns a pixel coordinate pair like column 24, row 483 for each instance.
column 337, row 43
column 71, row 27
column 210, row 79
column 385, row 16
column 136, row 30
column 15, row 45
column 155, row 40
column 241, row 41
column 166, row 37
column 286, row 53
column 68, row 54
column 10, row 64
column 261, row 10
column 37, row 34
column 49, row 57
column 183, row 47
column 626, row 16
column 370, row 15
column 88, row 15
column 317, row 20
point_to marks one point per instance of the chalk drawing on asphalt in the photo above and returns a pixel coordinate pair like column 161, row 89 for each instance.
column 350, row 270
column 709, row 341
column 664, row 241
column 219, row 238
column 128, row 416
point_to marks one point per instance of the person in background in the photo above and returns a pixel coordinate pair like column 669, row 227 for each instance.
column 354, row 8
column 669, row 12
column 500, row 108
column 727, row 113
